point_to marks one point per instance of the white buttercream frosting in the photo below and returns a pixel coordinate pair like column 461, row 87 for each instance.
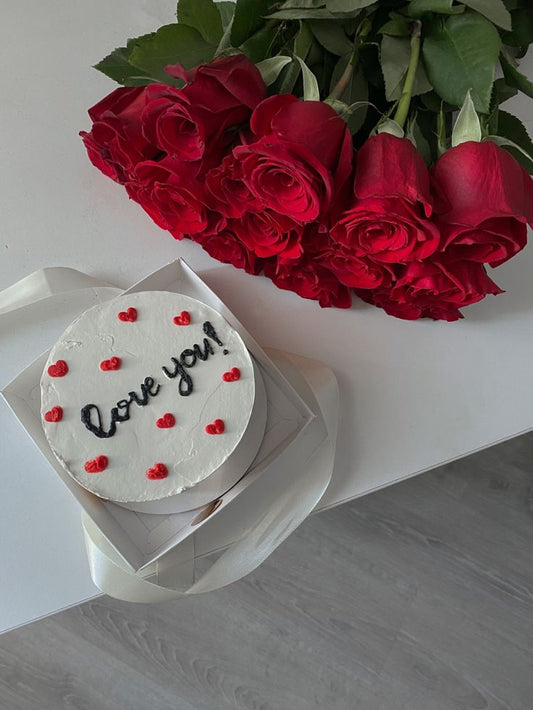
column 144, row 347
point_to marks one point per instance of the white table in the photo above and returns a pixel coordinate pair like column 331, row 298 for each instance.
column 414, row 395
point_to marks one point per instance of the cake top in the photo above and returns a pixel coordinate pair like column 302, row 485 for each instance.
column 146, row 395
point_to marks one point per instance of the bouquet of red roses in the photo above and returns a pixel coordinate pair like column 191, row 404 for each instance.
column 337, row 146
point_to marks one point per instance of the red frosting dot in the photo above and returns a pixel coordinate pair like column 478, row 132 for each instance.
column 232, row 375
column 167, row 421
column 54, row 415
column 113, row 363
column 184, row 318
column 158, row 470
column 128, row 315
column 96, row 465
column 58, row 369
column 216, row 427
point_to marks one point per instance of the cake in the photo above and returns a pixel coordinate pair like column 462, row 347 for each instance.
column 152, row 396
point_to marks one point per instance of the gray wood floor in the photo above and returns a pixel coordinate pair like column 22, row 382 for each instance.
column 419, row 597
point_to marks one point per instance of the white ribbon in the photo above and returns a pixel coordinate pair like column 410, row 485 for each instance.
column 49, row 283
column 172, row 576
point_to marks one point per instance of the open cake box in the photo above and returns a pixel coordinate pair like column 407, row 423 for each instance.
column 140, row 538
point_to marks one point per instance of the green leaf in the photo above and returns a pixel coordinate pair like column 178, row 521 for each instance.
column 502, row 92
column 331, row 36
column 169, row 45
column 467, row 126
column 203, row 16
column 515, row 78
column 522, row 32
column 417, row 8
column 398, row 27
column 433, row 102
column 509, row 126
column 311, row 90
column 248, row 18
column 520, row 155
column 303, row 41
column 347, row 5
column 305, row 14
column 258, row 46
column 270, row 68
column 117, row 65
column 395, row 54
column 225, row 41
column 226, row 10
column 460, row 54
column 289, row 77
column 512, row 129
column 301, row 4
column 415, row 134
column 493, row 10
column 425, row 123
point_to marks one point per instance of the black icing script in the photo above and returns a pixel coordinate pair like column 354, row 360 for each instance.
column 90, row 413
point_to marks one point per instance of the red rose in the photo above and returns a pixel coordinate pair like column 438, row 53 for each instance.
column 174, row 125
column 230, row 194
column 174, row 201
column 309, row 279
column 229, row 85
column 381, row 297
column 409, row 311
column 185, row 122
column 388, row 220
column 269, row 234
column 116, row 143
column 434, row 289
column 484, row 199
column 301, row 158
column 224, row 246
column 353, row 271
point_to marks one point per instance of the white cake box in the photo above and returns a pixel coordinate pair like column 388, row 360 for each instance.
column 141, row 538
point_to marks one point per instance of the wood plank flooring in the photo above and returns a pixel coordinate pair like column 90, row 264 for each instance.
column 419, row 597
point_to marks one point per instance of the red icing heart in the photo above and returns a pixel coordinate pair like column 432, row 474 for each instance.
column 184, row 318
column 166, row 422
column 96, row 465
column 113, row 363
column 158, row 470
column 58, row 369
column 128, row 315
column 232, row 376
column 217, row 427
column 54, row 415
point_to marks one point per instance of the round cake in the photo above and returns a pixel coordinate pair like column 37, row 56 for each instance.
column 150, row 397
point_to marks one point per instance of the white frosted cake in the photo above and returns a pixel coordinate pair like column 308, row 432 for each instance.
column 150, row 397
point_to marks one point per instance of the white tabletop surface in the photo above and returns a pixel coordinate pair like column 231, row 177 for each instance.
column 414, row 394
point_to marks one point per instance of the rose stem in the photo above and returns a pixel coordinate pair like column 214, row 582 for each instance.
column 405, row 100
column 341, row 86
column 441, row 131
